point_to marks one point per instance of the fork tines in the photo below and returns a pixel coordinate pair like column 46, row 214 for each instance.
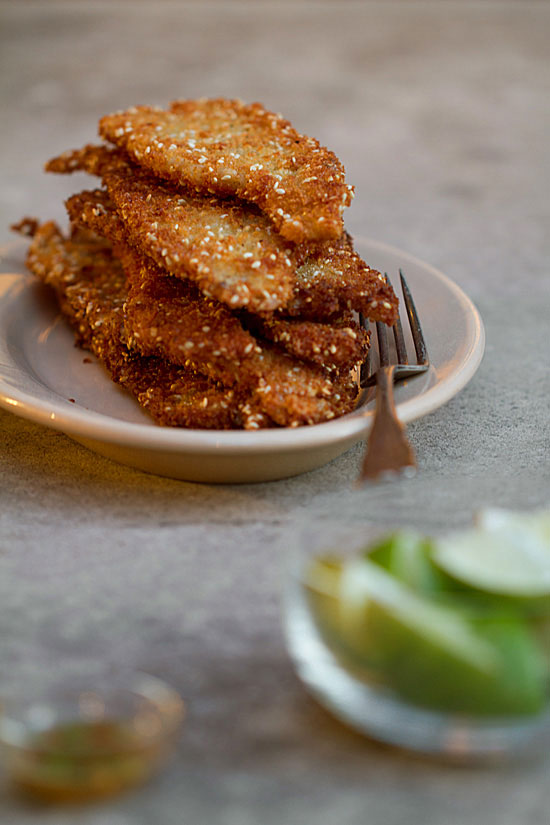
column 389, row 451
column 403, row 368
column 414, row 322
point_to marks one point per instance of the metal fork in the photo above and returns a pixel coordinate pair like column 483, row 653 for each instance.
column 389, row 450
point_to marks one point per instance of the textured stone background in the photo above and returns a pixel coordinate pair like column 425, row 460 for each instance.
column 440, row 114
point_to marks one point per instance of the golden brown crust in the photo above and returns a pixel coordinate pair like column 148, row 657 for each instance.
column 293, row 393
column 228, row 249
column 26, row 226
column 323, row 281
column 280, row 387
column 204, row 331
column 290, row 392
column 91, row 289
column 331, row 279
column 340, row 345
column 214, row 277
column 163, row 312
column 229, row 148
column 165, row 316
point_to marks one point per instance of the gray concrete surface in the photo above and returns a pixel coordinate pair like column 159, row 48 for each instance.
column 440, row 114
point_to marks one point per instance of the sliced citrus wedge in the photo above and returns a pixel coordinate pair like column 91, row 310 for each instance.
column 432, row 654
column 407, row 556
column 508, row 555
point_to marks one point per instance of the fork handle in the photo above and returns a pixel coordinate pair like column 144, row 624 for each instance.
column 388, row 448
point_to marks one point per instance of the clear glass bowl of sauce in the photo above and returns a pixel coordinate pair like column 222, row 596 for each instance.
column 88, row 737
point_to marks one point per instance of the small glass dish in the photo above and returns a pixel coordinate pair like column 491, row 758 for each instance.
column 88, row 736
column 450, row 673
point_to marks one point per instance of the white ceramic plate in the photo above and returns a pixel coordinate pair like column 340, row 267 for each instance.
column 45, row 378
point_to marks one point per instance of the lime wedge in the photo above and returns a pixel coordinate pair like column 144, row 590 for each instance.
column 433, row 655
column 345, row 638
column 322, row 587
column 508, row 555
column 407, row 556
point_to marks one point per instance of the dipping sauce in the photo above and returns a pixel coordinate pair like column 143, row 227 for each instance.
column 84, row 760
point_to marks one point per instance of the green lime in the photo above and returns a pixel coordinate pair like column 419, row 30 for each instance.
column 345, row 639
column 407, row 556
column 434, row 655
column 508, row 555
column 322, row 583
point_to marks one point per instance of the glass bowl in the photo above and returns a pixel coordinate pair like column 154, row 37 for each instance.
column 88, row 735
column 400, row 653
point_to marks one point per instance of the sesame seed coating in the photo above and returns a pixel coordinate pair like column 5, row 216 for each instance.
column 91, row 290
column 246, row 258
column 340, row 345
column 185, row 314
column 161, row 308
column 315, row 281
column 258, row 156
column 331, row 278
column 212, row 275
column 166, row 317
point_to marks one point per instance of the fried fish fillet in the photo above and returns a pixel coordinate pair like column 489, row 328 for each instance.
column 288, row 391
column 91, row 290
column 193, row 324
column 332, row 279
column 187, row 237
column 161, row 320
column 226, row 147
column 205, row 329
column 228, row 249
column 340, row 345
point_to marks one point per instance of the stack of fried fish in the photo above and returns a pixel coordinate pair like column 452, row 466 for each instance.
column 212, row 274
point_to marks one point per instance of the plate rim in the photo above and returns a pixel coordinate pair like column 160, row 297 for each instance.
column 80, row 422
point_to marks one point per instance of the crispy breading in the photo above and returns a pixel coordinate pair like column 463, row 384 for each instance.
column 213, row 275
column 331, row 278
column 226, row 147
column 205, row 330
column 26, row 226
column 228, row 249
column 293, row 393
column 325, row 279
column 340, row 345
column 290, row 392
column 91, row 289
column 160, row 306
